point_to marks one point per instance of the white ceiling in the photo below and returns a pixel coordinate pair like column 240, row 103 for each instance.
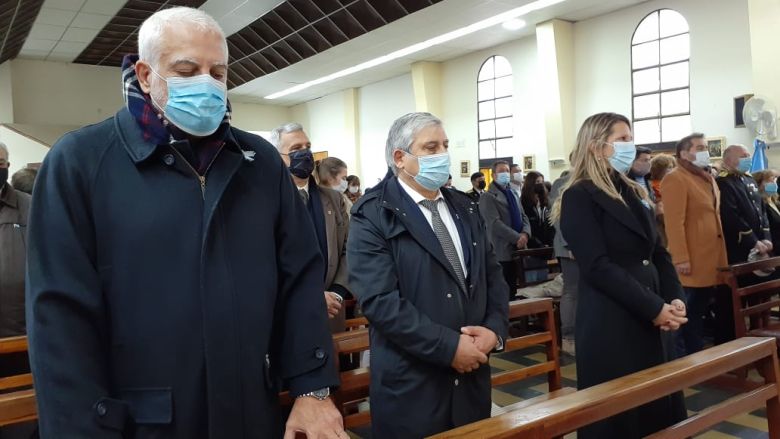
column 64, row 28
column 420, row 26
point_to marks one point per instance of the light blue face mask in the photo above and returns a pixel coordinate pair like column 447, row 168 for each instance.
column 196, row 105
column 502, row 178
column 770, row 188
column 434, row 170
column 744, row 164
column 623, row 157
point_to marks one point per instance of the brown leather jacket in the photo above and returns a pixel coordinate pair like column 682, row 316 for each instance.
column 14, row 206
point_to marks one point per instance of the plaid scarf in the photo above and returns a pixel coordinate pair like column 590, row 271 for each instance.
column 156, row 129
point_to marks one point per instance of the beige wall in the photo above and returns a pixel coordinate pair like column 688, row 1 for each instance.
column 21, row 149
column 6, row 93
column 720, row 62
column 764, row 22
column 54, row 93
column 258, row 117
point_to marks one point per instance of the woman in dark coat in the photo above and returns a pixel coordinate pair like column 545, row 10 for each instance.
column 629, row 294
column 535, row 203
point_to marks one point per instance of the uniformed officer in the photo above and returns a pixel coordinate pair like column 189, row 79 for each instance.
column 745, row 224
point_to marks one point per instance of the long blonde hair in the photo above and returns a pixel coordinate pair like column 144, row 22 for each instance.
column 588, row 164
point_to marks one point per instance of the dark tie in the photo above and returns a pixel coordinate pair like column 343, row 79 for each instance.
column 445, row 240
column 304, row 196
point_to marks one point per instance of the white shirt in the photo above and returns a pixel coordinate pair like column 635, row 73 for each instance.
column 446, row 218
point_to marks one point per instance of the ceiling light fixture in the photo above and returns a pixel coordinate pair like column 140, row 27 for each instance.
column 513, row 24
column 406, row 51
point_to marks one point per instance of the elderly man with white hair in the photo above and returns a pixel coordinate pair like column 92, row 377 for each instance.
column 428, row 281
column 173, row 290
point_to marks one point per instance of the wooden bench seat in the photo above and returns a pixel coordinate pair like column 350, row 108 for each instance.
column 752, row 305
column 567, row 413
column 17, row 400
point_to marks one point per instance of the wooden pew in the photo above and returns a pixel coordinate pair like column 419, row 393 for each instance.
column 754, row 303
column 547, row 253
column 17, row 400
column 354, row 383
column 567, row 413
column 542, row 308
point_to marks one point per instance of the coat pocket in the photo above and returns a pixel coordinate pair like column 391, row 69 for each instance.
column 149, row 405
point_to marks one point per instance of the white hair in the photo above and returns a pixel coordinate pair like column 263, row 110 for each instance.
column 276, row 133
column 401, row 135
column 152, row 29
column 4, row 148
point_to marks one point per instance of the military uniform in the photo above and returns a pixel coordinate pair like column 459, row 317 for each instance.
column 742, row 213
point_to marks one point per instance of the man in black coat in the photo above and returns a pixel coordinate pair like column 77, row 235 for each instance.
column 742, row 212
column 429, row 284
column 478, row 186
column 172, row 284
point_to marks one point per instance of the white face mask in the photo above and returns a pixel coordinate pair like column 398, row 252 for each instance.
column 702, row 159
column 517, row 177
column 354, row 189
column 341, row 187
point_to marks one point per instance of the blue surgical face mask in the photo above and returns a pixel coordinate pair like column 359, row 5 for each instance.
column 502, row 178
column 770, row 188
column 196, row 105
column 623, row 157
column 744, row 164
column 434, row 170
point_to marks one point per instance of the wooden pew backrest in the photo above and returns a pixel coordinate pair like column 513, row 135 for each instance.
column 567, row 413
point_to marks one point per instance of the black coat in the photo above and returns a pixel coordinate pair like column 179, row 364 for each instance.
column 155, row 309
column 410, row 294
column 773, row 217
column 625, row 278
column 542, row 232
column 742, row 214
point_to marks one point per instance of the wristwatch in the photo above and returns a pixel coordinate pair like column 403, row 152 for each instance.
column 319, row 394
column 499, row 345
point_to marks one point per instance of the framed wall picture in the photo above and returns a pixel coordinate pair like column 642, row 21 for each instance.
column 465, row 168
column 739, row 105
column 716, row 146
column 318, row 156
column 529, row 163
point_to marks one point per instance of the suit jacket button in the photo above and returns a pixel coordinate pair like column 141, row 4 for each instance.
column 318, row 354
column 449, row 296
column 101, row 409
column 169, row 159
column 456, row 381
column 645, row 262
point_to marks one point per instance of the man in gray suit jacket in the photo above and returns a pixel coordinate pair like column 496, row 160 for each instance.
column 328, row 213
column 507, row 224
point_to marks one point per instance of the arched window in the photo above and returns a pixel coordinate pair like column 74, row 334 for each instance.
column 660, row 79
column 494, row 108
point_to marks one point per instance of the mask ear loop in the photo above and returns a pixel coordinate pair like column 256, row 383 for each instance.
column 151, row 96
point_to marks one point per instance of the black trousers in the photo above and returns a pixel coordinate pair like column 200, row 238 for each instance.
column 510, row 277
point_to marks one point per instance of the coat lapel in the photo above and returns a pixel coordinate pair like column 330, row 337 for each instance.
column 620, row 211
column 413, row 220
column 328, row 209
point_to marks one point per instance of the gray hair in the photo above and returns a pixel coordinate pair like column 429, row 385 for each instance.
column 152, row 29
column 4, row 148
column 276, row 133
column 401, row 135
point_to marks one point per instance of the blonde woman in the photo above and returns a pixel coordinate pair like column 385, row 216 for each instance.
column 629, row 296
